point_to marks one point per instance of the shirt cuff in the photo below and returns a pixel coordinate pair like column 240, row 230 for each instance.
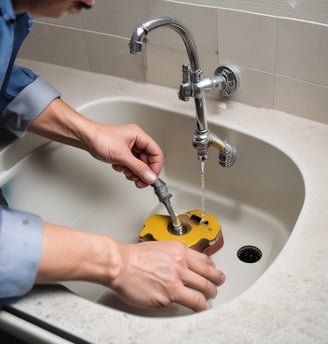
column 21, row 239
column 27, row 105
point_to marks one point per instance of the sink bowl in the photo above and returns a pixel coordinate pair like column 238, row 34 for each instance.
column 257, row 201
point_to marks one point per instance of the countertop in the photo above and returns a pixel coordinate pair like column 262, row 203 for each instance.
column 287, row 304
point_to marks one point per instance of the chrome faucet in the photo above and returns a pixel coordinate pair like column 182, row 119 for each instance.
column 194, row 85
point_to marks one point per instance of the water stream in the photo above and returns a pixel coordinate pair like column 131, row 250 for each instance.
column 202, row 176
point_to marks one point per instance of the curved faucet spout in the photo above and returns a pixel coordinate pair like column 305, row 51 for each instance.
column 192, row 75
column 143, row 29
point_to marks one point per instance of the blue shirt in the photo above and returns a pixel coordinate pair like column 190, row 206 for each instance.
column 23, row 96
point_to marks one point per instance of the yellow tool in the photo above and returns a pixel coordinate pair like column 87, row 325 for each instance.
column 202, row 234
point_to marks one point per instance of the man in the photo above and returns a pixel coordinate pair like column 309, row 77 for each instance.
column 150, row 274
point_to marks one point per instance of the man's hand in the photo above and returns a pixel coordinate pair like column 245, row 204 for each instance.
column 145, row 275
column 130, row 150
column 127, row 147
column 158, row 273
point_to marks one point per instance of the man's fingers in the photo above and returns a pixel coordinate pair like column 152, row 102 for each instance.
column 202, row 265
column 191, row 299
column 199, row 283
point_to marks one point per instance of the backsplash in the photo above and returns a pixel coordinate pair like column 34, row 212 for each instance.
column 283, row 62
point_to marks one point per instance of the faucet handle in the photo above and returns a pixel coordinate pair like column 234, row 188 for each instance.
column 185, row 90
column 186, row 69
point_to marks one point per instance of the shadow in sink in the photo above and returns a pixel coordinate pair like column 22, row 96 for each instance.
column 257, row 201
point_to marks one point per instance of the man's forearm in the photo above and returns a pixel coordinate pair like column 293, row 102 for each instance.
column 61, row 123
column 127, row 146
column 69, row 254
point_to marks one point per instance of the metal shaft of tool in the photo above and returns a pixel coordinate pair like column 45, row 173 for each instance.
column 164, row 197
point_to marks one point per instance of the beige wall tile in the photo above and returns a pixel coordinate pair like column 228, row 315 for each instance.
column 38, row 46
column 302, row 99
column 164, row 65
column 116, row 17
column 109, row 54
column 201, row 21
column 256, row 88
column 311, row 10
column 71, row 20
column 247, row 40
column 166, row 52
column 302, row 51
column 69, row 47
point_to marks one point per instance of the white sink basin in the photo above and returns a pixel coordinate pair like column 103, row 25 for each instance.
column 257, row 201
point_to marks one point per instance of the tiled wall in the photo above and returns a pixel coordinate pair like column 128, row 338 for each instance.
column 283, row 62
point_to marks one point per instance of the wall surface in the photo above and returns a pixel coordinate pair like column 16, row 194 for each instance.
column 283, row 62
column 311, row 10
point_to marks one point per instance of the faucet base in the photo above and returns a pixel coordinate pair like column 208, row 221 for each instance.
column 231, row 79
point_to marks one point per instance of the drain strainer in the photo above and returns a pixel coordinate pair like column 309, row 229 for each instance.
column 249, row 254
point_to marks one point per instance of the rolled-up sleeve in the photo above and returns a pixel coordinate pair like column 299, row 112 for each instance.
column 18, row 114
column 21, row 238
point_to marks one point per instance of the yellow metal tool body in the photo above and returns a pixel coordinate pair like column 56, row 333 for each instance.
column 202, row 234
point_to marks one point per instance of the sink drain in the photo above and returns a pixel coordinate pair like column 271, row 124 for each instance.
column 249, row 254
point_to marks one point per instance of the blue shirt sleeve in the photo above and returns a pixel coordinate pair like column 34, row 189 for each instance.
column 21, row 238
column 27, row 105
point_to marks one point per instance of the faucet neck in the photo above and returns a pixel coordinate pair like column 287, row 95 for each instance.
column 175, row 25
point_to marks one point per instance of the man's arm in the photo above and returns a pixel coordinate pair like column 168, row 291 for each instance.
column 146, row 275
column 127, row 147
